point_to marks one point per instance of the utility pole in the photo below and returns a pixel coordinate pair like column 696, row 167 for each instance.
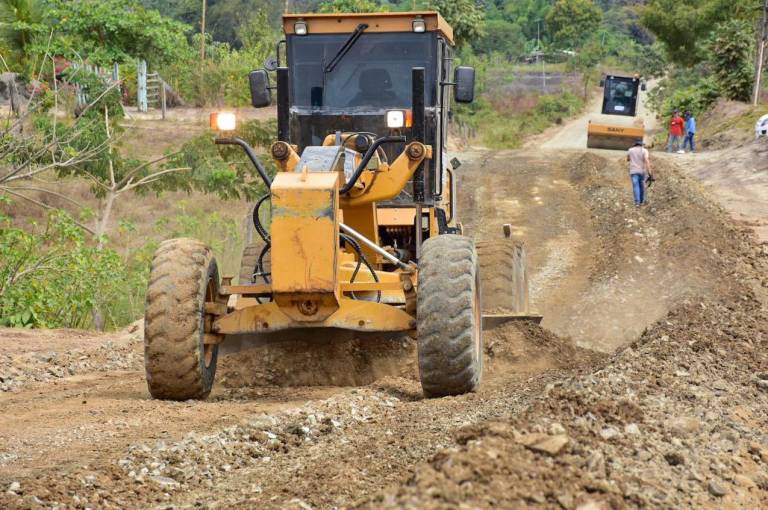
column 760, row 55
column 540, row 56
column 202, row 31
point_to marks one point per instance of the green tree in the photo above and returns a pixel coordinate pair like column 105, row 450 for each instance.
column 351, row 6
column 53, row 276
column 529, row 14
column 732, row 58
column 226, row 19
column 465, row 17
column 571, row 22
column 502, row 37
column 586, row 61
column 683, row 25
column 107, row 31
column 21, row 24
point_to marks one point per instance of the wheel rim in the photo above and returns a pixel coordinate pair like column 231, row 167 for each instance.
column 210, row 297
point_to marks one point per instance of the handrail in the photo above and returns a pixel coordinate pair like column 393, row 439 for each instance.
column 251, row 155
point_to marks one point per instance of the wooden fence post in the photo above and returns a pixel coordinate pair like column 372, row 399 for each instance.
column 142, row 86
column 162, row 96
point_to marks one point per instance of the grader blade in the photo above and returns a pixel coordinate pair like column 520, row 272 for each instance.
column 494, row 320
column 504, row 279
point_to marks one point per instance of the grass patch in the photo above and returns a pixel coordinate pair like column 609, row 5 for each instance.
column 508, row 127
column 743, row 122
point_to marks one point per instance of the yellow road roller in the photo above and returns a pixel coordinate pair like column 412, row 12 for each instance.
column 618, row 125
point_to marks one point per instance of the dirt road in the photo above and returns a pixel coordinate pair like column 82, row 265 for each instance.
column 573, row 134
column 646, row 386
column 738, row 178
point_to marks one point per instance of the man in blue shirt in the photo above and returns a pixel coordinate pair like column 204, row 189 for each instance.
column 690, row 131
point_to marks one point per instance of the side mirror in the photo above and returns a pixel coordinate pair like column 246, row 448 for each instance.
column 260, row 94
column 464, row 78
column 270, row 64
column 602, row 83
column 643, row 86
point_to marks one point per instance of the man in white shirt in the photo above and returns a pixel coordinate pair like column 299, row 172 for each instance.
column 639, row 170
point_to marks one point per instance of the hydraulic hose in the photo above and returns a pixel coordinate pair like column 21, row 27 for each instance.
column 257, row 220
column 367, row 158
column 361, row 259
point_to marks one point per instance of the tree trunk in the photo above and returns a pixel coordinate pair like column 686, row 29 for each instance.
column 9, row 79
column 106, row 212
column 101, row 228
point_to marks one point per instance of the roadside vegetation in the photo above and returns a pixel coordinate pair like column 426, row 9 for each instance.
column 75, row 247
column 708, row 49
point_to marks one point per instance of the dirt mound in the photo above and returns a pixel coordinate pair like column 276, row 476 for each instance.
column 722, row 126
column 738, row 178
column 674, row 419
column 677, row 245
column 525, row 347
column 678, row 409
column 339, row 358
column 316, row 358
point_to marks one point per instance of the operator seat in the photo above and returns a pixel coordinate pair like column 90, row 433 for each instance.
column 375, row 89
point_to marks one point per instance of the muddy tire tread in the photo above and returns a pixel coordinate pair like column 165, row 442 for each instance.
column 173, row 320
column 450, row 362
column 250, row 258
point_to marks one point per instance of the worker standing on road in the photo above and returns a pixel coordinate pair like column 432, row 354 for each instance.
column 690, row 131
column 676, row 126
column 639, row 170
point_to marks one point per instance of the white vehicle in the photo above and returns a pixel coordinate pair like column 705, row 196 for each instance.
column 761, row 126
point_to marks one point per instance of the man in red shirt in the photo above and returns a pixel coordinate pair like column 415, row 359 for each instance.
column 676, row 128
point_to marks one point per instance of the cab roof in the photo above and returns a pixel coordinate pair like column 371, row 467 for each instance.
column 345, row 23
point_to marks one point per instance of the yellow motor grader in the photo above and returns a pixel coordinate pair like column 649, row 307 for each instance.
column 363, row 233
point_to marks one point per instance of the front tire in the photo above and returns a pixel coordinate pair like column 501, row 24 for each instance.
column 179, row 364
column 448, row 317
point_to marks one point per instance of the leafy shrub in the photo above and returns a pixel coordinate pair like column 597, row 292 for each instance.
column 696, row 98
column 52, row 277
column 731, row 49
column 222, row 78
column 221, row 169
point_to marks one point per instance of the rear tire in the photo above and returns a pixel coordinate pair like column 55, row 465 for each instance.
column 250, row 259
column 504, row 276
column 448, row 317
column 179, row 365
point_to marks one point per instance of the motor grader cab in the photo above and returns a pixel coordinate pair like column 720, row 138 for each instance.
column 619, row 124
column 363, row 232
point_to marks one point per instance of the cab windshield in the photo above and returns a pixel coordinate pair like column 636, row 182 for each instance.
column 620, row 96
column 374, row 74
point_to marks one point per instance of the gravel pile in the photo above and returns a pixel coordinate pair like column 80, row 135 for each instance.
column 124, row 352
column 678, row 418
column 200, row 459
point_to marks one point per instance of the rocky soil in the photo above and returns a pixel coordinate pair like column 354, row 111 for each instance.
column 646, row 387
